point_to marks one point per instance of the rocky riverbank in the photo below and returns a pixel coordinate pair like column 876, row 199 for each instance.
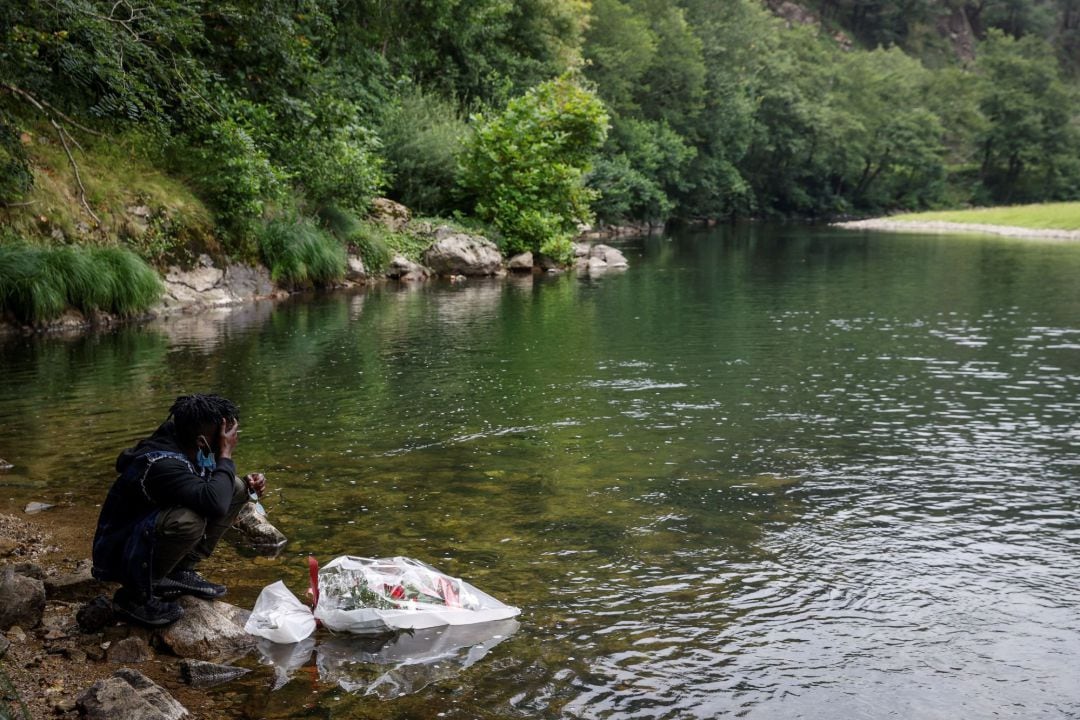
column 449, row 253
column 935, row 227
column 64, row 654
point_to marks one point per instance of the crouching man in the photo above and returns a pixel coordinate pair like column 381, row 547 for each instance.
column 176, row 494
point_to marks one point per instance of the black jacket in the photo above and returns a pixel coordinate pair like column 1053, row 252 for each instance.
column 152, row 476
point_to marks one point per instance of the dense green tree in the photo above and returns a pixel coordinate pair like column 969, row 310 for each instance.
column 525, row 166
column 1030, row 146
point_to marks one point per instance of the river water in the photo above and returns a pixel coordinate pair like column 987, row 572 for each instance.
column 766, row 472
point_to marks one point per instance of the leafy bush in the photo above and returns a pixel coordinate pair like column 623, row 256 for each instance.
column 37, row 283
column 334, row 158
column 232, row 172
column 525, row 166
column 300, row 253
column 423, row 138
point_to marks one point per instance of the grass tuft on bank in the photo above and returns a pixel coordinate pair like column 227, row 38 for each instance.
column 1045, row 216
column 38, row 283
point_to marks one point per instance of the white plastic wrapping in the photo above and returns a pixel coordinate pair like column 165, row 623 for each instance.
column 372, row 596
column 279, row 616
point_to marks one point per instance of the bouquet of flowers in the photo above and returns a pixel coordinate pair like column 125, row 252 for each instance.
column 375, row 595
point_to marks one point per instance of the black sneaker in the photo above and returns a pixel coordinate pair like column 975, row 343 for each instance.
column 188, row 582
column 154, row 612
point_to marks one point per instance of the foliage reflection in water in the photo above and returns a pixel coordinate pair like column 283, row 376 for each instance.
column 769, row 472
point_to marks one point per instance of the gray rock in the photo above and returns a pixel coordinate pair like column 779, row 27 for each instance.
column 394, row 216
column 76, row 586
column 354, row 268
column 208, row 631
column 5, row 465
column 200, row 278
column 455, row 253
column 546, row 262
column 128, row 695
column 258, row 531
column 36, row 507
column 405, row 270
column 245, row 282
column 521, row 263
column 95, row 615
column 22, row 600
column 596, row 265
column 581, row 249
column 612, row 257
column 129, row 650
column 200, row 674
column 30, row 570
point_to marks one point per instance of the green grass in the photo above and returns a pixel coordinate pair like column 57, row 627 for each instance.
column 38, row 283
column 300, row 253
column 1047, row 216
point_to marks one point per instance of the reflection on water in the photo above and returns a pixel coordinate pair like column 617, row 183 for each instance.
column 769, row 473
column 388, row 666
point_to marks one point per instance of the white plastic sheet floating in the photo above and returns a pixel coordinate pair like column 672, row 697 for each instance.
column 371, row 596
column 279, row 616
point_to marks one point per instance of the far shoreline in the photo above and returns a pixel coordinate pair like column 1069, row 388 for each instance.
column 885, row 224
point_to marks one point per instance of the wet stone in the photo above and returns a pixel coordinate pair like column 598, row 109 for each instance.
column 128, row 695
column 95, row 615
column 22, row 600
column 209, row 630
column 36, row 507
column 129, row 650
column 201, row 674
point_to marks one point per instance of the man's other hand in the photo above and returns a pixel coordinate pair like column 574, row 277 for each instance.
column 256, row 483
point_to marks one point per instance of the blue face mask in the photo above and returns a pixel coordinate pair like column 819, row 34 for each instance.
column 205, row 460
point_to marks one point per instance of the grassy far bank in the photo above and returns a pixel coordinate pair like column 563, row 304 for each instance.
column 1046, row 216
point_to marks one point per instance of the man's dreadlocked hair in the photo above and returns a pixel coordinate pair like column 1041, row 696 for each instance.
column 191, row 413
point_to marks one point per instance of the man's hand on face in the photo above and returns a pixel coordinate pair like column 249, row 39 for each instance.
column 256, row 483
column 228, row 437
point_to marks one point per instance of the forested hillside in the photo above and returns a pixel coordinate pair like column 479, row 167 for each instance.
column 228, row 123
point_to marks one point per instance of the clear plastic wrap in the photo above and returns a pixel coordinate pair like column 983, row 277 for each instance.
column 371, row 596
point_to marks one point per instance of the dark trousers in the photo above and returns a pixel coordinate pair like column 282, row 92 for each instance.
column 182, row 537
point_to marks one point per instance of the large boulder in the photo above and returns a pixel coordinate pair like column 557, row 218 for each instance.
column 257, row 531
column 128, row 695
column 405, row 270
column 456, row 253
column 22, row 600
column 394, row 216
column 612, row 257
column 209, row 630
column 206, row 285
